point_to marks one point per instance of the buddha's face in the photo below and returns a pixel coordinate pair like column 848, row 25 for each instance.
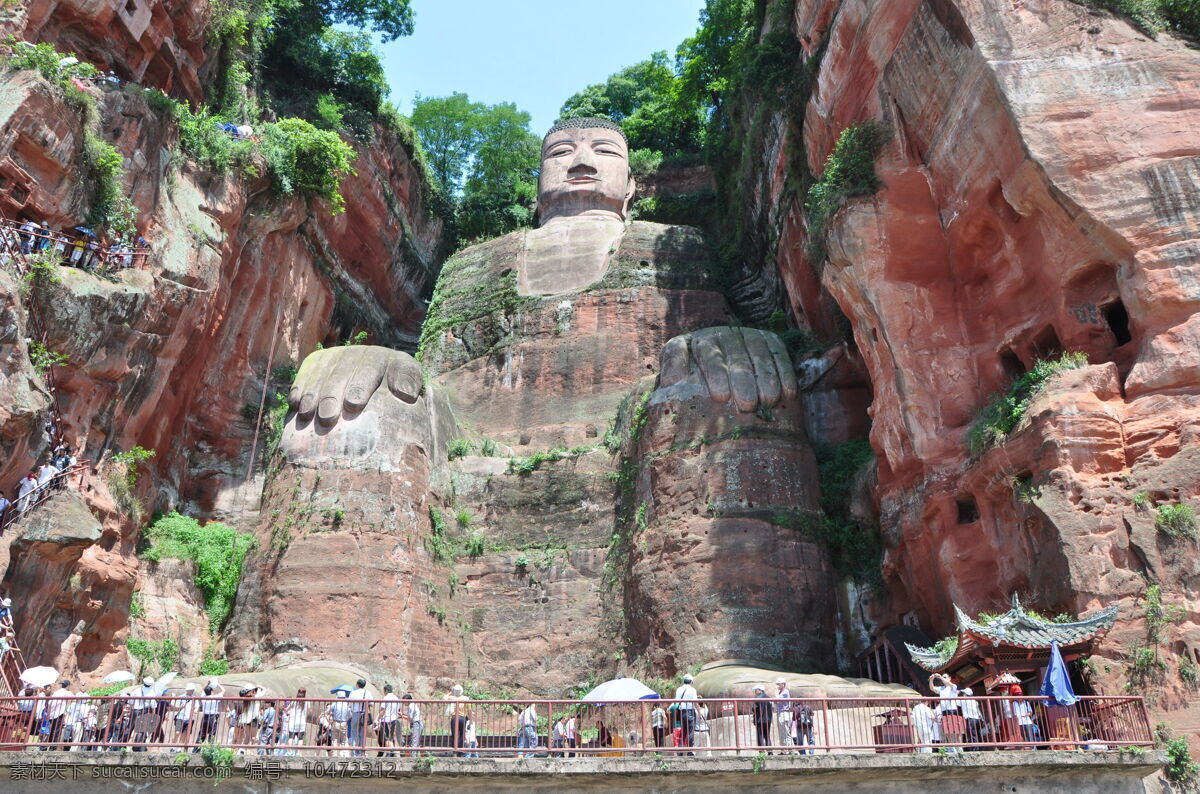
column 584, row 172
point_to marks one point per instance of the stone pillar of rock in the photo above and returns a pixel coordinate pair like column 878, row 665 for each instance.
column 723, row 559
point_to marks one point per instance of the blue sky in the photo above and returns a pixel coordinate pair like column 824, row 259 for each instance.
column 535, row 53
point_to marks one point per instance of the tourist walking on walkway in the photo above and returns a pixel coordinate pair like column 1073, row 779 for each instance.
column 527, row 730
column 295, row 719
column 457, row 712
column 973, row 717
column 358, row 716
column 389, row 721
column 686, row 697
column 25, row 490
column 924, row 722
column 703, row 736
column 210, row 713
column 783, row 712
column 658, row 726
column 339, row 718
column 804, row 718
column 762, row 711
column 184, row 717
column 412, row 715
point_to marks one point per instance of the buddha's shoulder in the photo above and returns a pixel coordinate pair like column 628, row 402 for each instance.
column 663, row 255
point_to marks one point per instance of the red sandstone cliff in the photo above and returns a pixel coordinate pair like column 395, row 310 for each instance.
column 1040, row 194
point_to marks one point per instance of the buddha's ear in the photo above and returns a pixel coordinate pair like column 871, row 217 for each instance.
column 629, row 191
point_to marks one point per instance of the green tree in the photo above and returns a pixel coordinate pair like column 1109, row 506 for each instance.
column 645, row 100
column 708, row 63
column 449, row 128
column 485, row 157
column 502, row 187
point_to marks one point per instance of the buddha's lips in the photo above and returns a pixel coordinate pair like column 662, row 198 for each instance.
column 581, row 179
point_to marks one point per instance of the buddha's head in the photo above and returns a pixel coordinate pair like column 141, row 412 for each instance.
column 585, row 171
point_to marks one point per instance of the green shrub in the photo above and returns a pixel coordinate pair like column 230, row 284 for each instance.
column 849, row 171
column 1004, row 412
column 215, row 755
column 463, row 519
column 487, row 448
column 476, row 545
column 43, row 358
column 304, row 160
column 458, row 448
column 106, row 690
column 438, row 544
column 44, row 270
column 644, row 161
column 855, row 549
column 163, row 654
column 525, row 466
column 218, row 551
column 1154, row 16
column 1176, row 521
column 137, row 609
column 211, row 666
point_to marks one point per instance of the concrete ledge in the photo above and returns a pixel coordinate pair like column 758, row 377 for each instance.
column 1078, row 772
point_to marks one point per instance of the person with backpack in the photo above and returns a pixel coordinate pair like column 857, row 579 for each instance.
column 804, row 718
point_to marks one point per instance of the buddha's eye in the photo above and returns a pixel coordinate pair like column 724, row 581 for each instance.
column 559, row 152
column 606, row 150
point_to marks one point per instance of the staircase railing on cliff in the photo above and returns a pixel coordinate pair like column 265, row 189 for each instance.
column 12, row 662
column 32, row 500
column 171, row 722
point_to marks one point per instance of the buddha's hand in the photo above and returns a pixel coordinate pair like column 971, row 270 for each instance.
column 344, row 379
column 749, row 366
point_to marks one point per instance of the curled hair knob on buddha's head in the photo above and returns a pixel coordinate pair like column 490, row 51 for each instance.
column 586, row 123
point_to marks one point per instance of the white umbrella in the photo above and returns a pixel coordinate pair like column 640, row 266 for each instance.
column 117, row 677
column 620, row 689
column 160, row 685
column 40, row 676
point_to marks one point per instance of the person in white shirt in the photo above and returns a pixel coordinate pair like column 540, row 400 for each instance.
column 558, row 738
column 358, row 716
column 973, row 716
column 658, row 726
column 389, row 719
column 45, row 474
column 527, row 738
column 686, row 697
column 948, row 706
column 412, row 715
column 572, row 737
column 339, row 716
column 139, row 707
column 25, row 489
column 210, row 713
column 295, row 719
column 4, row 505
column 56, row 712
column 783, row 712
column 76, row 712
column 469, row 736
column 703, row 738
column 924, row 720
column 184, row 716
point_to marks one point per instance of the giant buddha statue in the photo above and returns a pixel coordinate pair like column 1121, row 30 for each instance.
column 461, row 516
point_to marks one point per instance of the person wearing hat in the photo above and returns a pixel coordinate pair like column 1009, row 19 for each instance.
column 783, row 712
column 183, row 718
column 762, row 711
column 457, row 713
column 141, row 706
column 339, row 718
column 685, row 697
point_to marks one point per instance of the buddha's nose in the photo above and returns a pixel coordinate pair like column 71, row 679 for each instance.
column 584, row 162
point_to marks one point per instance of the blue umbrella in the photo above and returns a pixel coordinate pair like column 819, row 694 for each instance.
column 85, row 230
column 342, row 688
column 1057, row 683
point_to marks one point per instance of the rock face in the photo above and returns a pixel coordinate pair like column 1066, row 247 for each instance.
column 1075, row 231
column 518, row 571
column 146, row 41
column 168, row 358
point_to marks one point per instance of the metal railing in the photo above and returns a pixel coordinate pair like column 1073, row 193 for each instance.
column 493, row 728
column 75, row 250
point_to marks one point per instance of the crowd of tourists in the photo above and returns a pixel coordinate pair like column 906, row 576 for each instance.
column 37, row 484
column 79, row 247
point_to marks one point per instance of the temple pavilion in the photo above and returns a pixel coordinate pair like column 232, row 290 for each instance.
column 1016, row 642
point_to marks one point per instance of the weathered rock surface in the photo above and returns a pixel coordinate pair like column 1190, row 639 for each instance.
column 168, row 357
column 1039, row 195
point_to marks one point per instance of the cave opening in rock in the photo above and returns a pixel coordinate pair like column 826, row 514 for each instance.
column 1117, row 318
column 1046, row 344
column 968, row 509
column 1012, row 364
